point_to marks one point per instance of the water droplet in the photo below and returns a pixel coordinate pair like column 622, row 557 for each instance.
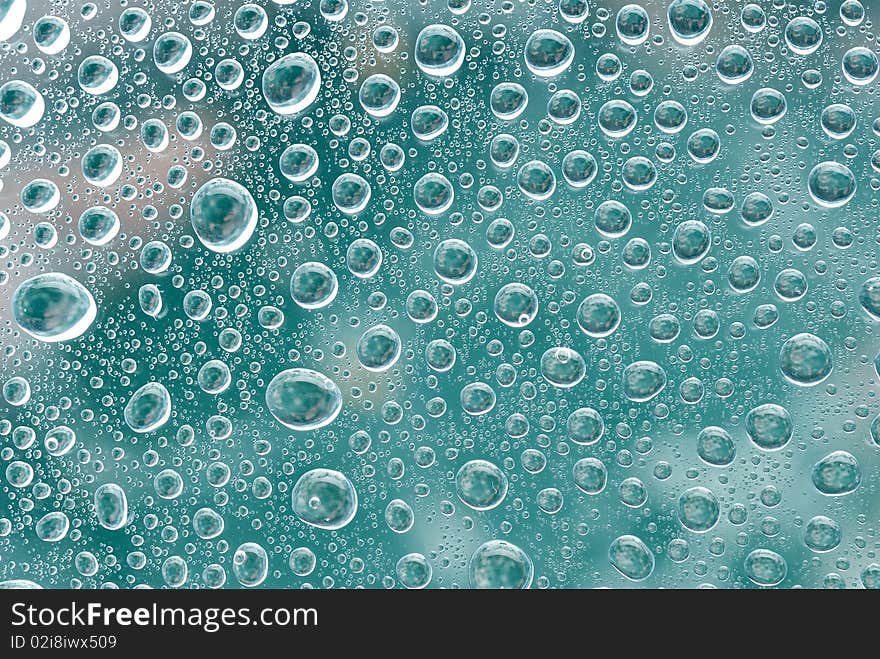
column 481, row 485
column 111, row 506
column 325, row 499
column 223, row 215
column 631, row 557
column 837, row 473
column 53, row 307
column 149, row 408
column 805, row 360
column 439, row 50
column 303, row 399
column 498, row 564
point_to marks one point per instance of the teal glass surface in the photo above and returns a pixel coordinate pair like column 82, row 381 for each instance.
column 444, row 294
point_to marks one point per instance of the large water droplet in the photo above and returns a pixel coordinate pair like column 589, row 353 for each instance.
column 805, row 359
column 837, row 473
column 831, row 184
column 563, row 367
column 303, row 399
column 643, row 380
column 172, row 51
column 379, row 95
column 149, row 408
column 631, row 557
column 500, row 564
column 21, row 104
column 11, row 17
column 250, row 563
column 765, row 567
column 822, row 534
column 325, row 499
column 97, row 75
column 378, row 349
column 698, row 509
column 223, row 215
column 769, row 426
column 51, row 34
column 590, row 475
column 515, row 304
column 111, row 506
column 439, row 50
column 102, row 165
column 433, row 194
column 291, row 84
column 53, row 307
column 548, row 53
column 313, row 285
column 481, row 485
column 689, row 21
column 52, row 527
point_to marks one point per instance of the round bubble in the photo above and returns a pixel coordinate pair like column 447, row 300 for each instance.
column 481, row 485
column 822, row 534
column 769, row 426
column 477, row 398
column 223, row 214
column 633, row 25
column 455, row 261
column 836, row 474
column 579, row 168
column 149, row 408
column 590, row 475
column 498, row 564
column 439, row 50
column 250, row 563
column 102, row 165
column 643, row 380
column 508, row 100
column 21, row 105
column 379, row 95
column 612, row 219
column 803, row 35
column 433, row 194
column 536, row 180
column 831, row 184
column 325, row 499
column 172, row 51
column 734, row 65
column 617, row 118
column 805, row 360
column 563, row 367
column 689, row 21
column 313, row 285
column 111, row 506
column 298, row 162
column 414, row 571
column 698, row 509
column 548, row 53
column 351, row 193
column 378, row 348
column 585, row 426
column 53, row 307
column 631, row 557
column 516, row 305
column 715, row 446
column 765, row 567
column 860, row 66
column 291, row 83
column 598, row 315
column 303, row 399
column 52, row 527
